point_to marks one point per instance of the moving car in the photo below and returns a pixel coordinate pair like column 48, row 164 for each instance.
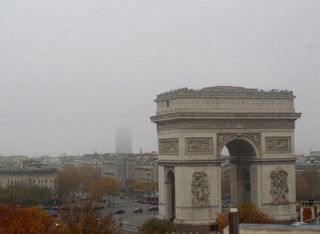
column 138, row 211
column 121, row 211
column 153, row 208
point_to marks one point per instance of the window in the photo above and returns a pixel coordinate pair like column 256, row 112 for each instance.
column 167, row 102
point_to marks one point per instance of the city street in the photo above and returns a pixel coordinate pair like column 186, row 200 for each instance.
column 129, row 220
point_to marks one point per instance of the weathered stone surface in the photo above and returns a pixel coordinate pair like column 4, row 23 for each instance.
column 225, row 99
column 195, row 124
column 224, row 91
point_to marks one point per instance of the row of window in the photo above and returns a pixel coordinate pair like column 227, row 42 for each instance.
column 31, row 181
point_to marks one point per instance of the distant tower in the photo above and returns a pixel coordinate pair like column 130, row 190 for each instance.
column 123, row 140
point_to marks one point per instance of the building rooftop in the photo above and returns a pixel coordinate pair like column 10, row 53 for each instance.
column 28, row 171
column 225, row 91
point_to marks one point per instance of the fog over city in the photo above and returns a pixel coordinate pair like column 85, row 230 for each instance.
column 72, row 71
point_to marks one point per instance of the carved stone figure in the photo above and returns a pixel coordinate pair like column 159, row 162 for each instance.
column 279, row 185
column 200, row 189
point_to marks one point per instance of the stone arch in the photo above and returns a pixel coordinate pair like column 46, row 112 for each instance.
column 242, row 149
column 170, row 194
column 240, row 142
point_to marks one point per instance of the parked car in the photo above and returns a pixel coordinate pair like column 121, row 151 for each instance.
column 153, row 208
column 138, row 211
column 121, row 211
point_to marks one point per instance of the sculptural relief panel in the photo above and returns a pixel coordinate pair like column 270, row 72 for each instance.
column 200, row 189
column 198, row 145
column 169, row 146
column 280, row 145
column 279, row 185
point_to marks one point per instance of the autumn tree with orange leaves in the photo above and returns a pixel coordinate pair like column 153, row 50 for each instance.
column 106, row 185
column 14, row 219
column 248, row 213
column 225, row 185
column 85, row 179
column 305, row 181
column 86, row 218
column 68, row 182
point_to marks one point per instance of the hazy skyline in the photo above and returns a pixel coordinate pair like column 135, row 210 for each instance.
column 71, row 71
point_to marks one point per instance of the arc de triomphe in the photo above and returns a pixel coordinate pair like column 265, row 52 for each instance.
column 256, row 126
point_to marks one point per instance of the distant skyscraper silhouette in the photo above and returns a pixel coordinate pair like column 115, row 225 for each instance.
column 123, row 140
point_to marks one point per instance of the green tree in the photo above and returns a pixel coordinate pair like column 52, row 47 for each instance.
column 156, row 226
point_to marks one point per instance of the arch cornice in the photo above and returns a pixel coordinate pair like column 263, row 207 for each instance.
column 254, row 139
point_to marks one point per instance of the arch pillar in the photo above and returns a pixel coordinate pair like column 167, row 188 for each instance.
column 197, row 191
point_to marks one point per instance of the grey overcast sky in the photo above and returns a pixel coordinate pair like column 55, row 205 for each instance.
column 73, row 70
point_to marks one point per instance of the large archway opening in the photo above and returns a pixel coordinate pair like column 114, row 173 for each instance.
column 171, row 200
column 236, row 182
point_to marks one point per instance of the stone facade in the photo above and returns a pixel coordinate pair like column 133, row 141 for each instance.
column 126, row 167
column 45, row 178
column 7, row 162
column 256, row 126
